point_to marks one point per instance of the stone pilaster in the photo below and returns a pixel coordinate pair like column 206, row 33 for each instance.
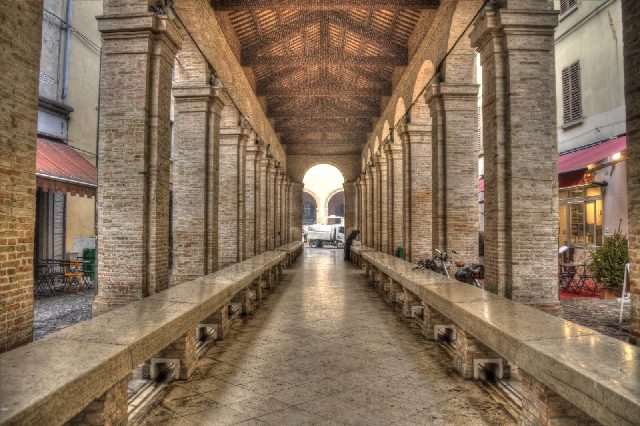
column 357, row 221
column 369, row 206
column 252, row 198
column 271, row 207
column 277, row 215
column 520, row 151
column 231, row 206
column 263, row 218
column 362, row 207
column 631, row 33
column 21, row 38
column 416, row 151
column 195, row 182
column 134, row 151
column 287, row 216
column 396, row 196
column 375, row 203
column 350, row 207
column 296, row 211
column 455, row 168
column 385, row 201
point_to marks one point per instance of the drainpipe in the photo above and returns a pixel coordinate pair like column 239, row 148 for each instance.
column 67, row 48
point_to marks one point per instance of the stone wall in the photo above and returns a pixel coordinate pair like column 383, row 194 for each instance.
column 20, row 41
column 631, row 25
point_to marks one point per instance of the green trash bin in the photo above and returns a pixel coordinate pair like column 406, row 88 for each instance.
column 400, row 251
column 89, row 263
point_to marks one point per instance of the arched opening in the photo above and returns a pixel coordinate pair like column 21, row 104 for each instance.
column 309, row 208
column 323, row 181
column 335, row 204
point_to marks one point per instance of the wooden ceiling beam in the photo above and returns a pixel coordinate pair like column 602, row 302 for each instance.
column 319, row 91
column 307, row 5
column 289, row 29
column 251, row 60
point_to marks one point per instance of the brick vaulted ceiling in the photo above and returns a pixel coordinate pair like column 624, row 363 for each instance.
column 323, row 66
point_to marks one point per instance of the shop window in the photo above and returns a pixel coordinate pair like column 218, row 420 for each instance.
column 571, row 95
column 581, row 216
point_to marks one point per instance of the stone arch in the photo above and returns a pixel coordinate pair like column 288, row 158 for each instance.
column 331, row 197
column 401, row 109
column 459, row 66
column 376, row 145
column 420, row 114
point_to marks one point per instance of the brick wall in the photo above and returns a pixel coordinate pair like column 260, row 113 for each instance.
column 134, row 152
column 231, row 210
column 20, row 30
column 520, row 144
column 631, row 25
column 252, row 196
column 396, row 196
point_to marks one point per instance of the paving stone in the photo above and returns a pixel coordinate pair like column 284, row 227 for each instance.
column 327, row 350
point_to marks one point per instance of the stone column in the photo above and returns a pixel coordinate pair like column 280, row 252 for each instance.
column 396, row 196
column 264, row 206
column 252, row 197
column 416, row 152
column 385, row 201
column 369, row 206
column 288, row 215
column 296, row 211
column 455, row 168
column 362, row 212
column 271, row 206
column 631, row 34
column 350, row 202
column 277, row 215
column 520, row 150
column 356, row 205
column 21, row 36
column 138, row 52
column 231, row 207
column 195, row 181
column 375, row 203
column 285, row 211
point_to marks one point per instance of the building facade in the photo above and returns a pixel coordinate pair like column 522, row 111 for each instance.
column 67, row 128
column 591, row 121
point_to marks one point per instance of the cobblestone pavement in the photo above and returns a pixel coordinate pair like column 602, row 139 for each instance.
column 326, row 349
column 52, row 313
column 600, row 314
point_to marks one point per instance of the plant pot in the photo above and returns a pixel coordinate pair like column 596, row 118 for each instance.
column 611, row 292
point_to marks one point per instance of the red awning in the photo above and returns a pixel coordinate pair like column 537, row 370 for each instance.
column 481, row 185
column 580, row 159
column 60, row 168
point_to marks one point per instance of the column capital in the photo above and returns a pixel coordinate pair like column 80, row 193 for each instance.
column 446, row 90
column 514, row 22
column 351, row 184
column 297, row 184
column 112, row 25
column 408, row 130
column 393, row 150
column 254, row 151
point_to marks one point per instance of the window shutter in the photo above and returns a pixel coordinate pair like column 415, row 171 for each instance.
column 479, row 132
column 566, row 5
column 566, row 95
column 571, row 95
column 576, row 96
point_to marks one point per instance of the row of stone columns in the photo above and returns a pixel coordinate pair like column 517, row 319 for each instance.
column 420, row 192
column 231, row 199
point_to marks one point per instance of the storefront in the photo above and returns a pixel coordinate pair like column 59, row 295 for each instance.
column 592, row 193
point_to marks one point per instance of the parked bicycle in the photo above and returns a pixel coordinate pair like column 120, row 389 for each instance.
column 442, row 263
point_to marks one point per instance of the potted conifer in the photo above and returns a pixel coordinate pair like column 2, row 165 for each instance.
column 607, row 264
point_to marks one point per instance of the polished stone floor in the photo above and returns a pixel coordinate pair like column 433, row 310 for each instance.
column 325, row 349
